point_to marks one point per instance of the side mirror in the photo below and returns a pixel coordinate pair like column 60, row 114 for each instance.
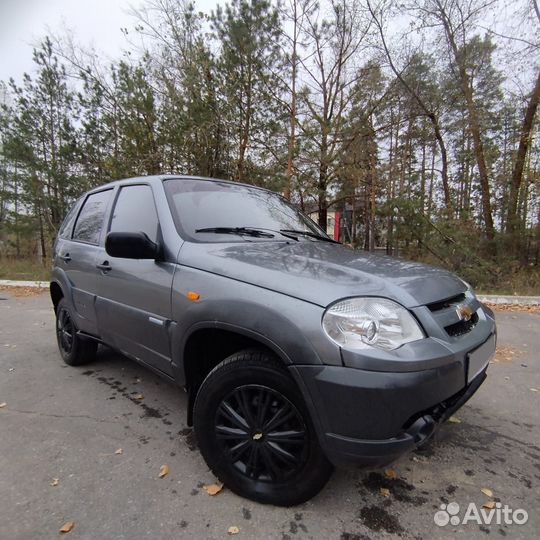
column 131, row 245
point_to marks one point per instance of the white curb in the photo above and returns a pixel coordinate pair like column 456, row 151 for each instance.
column 499, row 299
column 12, row 283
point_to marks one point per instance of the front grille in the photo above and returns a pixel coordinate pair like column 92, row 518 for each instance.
column 462, row 327
column 449, row 302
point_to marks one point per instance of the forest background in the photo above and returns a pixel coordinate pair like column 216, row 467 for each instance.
column 419, row 117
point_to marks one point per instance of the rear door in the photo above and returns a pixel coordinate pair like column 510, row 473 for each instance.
column 76, row 253
column 134, row 296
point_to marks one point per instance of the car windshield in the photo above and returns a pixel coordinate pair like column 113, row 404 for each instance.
column 200, row 207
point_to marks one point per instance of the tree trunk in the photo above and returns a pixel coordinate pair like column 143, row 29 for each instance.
column 42, row 248
column 423, row 178
column 16, row 206
column 474, row 127
column 367, row 217
column 430, row 189
column 292, row 121
column 517, row 172
column 390, row 192
column 425, row 109
column 246, row 128
column 372, row 186
column 321, row 196
column 478, row 149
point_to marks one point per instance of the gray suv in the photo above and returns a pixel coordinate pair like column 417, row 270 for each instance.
column 297, row 353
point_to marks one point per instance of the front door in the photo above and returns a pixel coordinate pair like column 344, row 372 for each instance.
column 134, row 296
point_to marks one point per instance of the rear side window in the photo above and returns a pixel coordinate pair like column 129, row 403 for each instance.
column 90, row 220
column 69, row 220
column 135, row 211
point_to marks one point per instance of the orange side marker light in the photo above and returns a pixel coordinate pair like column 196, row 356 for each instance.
column 193, row 296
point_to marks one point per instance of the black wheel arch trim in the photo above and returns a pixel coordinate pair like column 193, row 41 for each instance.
column 179, row 367
column 310, row 405
column 180, row 347
column 59, row 278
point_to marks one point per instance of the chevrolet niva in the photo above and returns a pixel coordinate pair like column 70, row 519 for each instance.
column 297, row 353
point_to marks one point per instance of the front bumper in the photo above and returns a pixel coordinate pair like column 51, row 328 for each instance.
column 373, row 417
column 380, row 452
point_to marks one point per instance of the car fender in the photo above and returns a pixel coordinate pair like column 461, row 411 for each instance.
column 290, row 327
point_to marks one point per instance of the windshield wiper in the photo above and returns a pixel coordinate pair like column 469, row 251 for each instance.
column 310, row 234
column 242, row 231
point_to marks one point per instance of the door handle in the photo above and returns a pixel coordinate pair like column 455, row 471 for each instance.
column 66, row 257
column 104, row 266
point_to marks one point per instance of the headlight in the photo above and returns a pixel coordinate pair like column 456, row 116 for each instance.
column 361, row 323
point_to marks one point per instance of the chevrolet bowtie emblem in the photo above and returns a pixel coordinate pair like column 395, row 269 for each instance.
column 464, row 312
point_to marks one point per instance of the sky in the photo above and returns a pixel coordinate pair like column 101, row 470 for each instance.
column 24, row 23
column 98, row 24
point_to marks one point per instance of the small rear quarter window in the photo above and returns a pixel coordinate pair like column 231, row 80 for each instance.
column 67, row 225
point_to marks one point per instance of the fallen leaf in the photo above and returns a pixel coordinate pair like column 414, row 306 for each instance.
column 390, row 473
column 139, row 396
column 233, row 530
column 22, row 291
column 213, row 489
column 163, row 471
column 119, row 451
column 534, row 389
column 55, row 482
column 2, row 405
column 506, row 354
column 487, row 492
column 385, row 492
column 531, row 308
column 454, row 420
column 67, row 527
column 489, row 505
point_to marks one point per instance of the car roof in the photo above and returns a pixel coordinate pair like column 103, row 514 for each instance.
column 159, row 178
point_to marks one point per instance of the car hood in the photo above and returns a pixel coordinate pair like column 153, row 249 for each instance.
column 322, row 272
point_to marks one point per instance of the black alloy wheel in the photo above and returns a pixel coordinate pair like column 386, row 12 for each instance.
column 255, row 432
column 65, row 331
column 75, row 349
column 262, row 433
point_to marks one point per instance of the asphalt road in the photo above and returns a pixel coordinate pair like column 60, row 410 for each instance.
column 66, row 423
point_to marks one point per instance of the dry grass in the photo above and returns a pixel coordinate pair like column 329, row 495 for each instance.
column 24, row 270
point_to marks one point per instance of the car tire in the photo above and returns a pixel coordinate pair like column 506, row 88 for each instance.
column 255, row 433
column 75, row 350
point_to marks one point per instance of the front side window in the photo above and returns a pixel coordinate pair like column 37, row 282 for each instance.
column 90, row 220
column 202, row 204
column 135, row 211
